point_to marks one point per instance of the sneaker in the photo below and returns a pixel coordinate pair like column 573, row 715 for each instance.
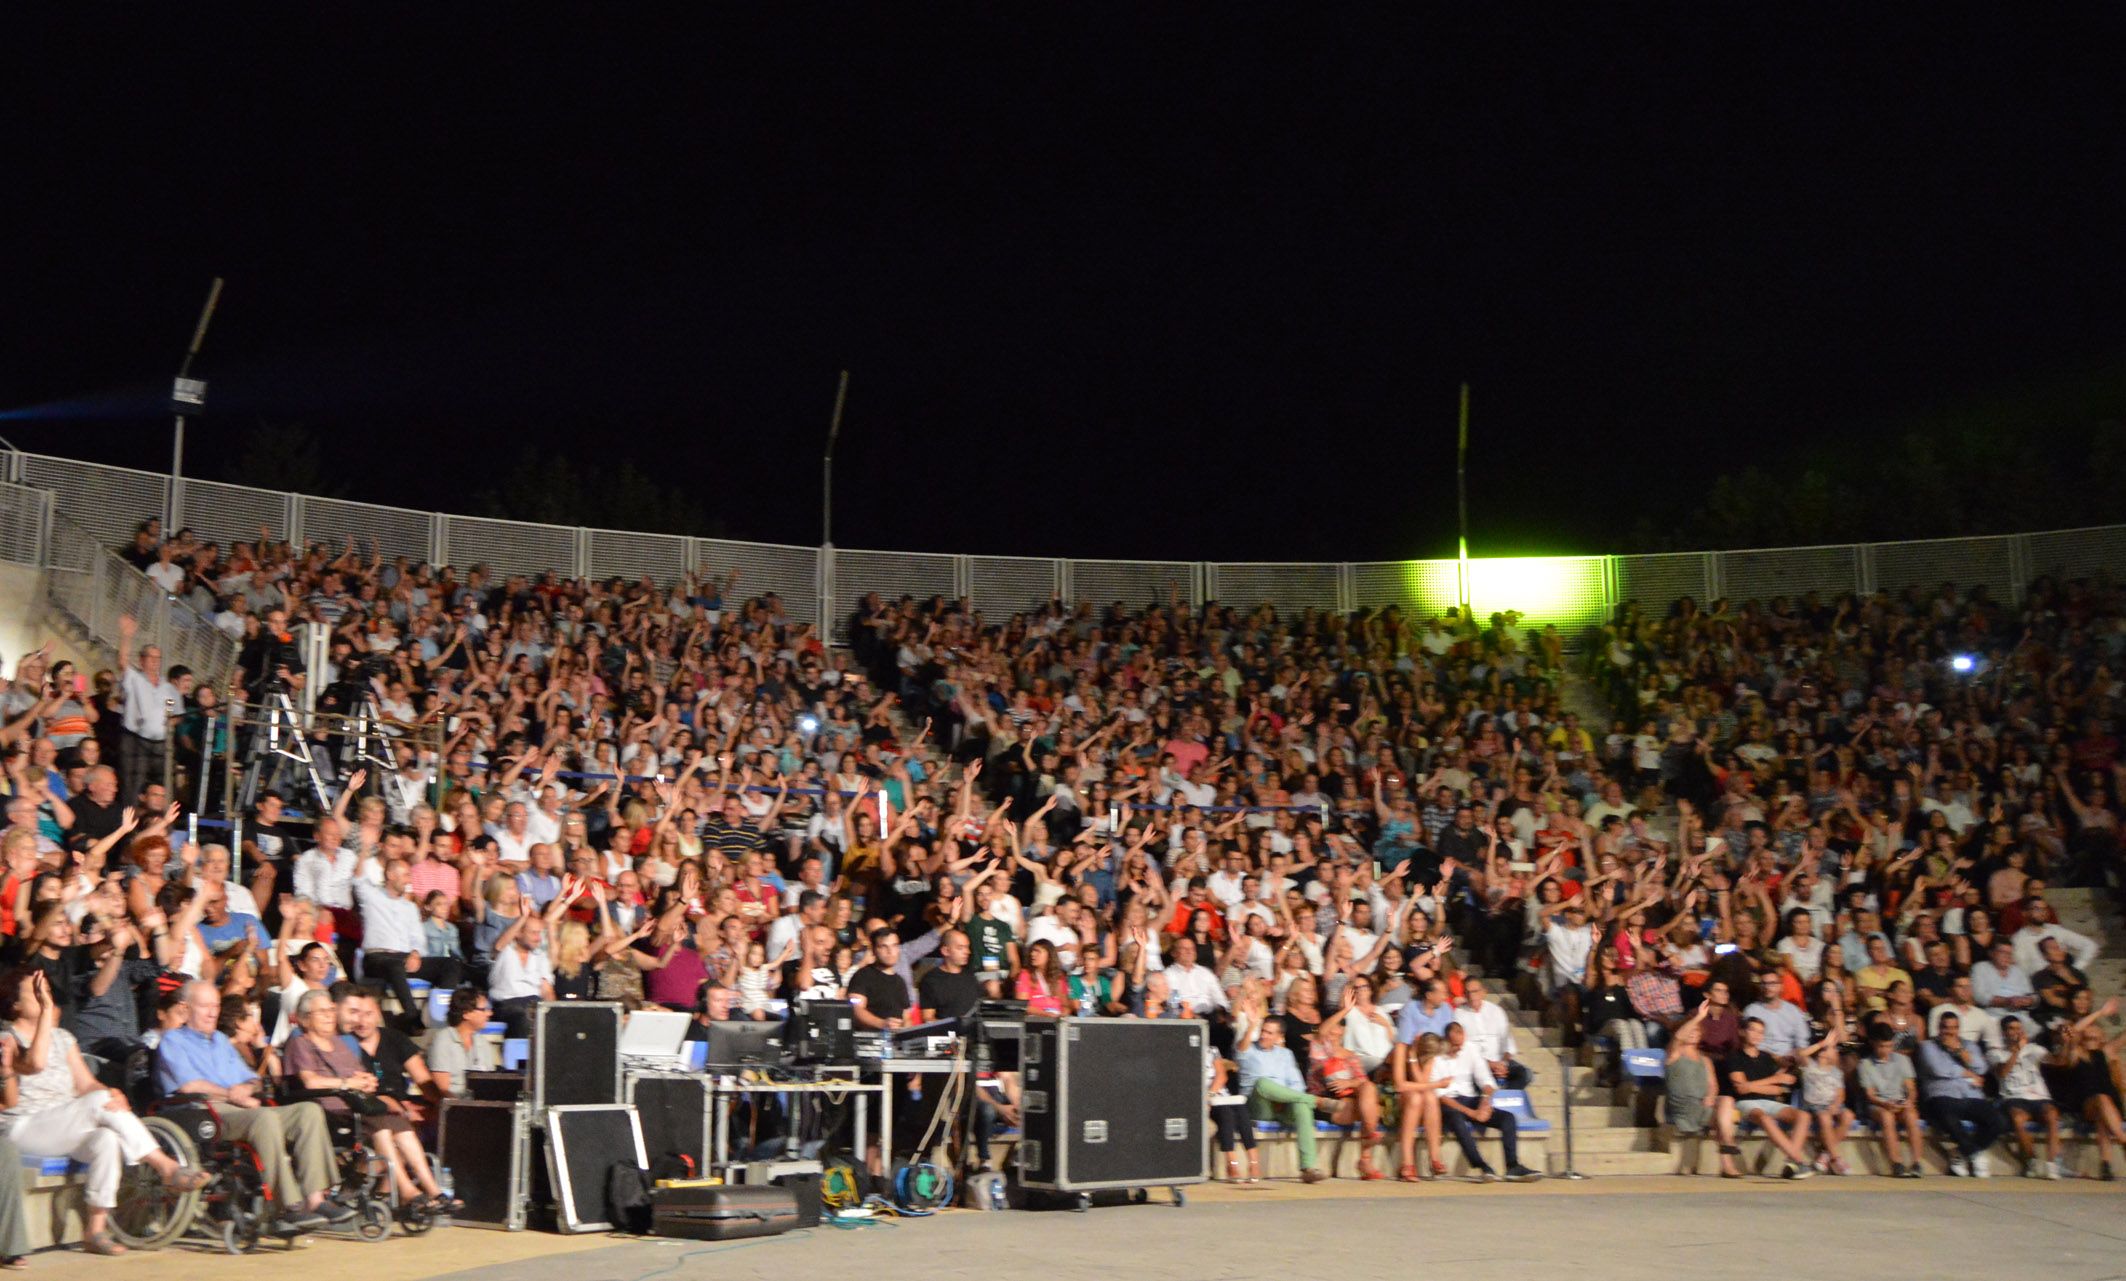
column 2033, row 1169
column 2055, row 1169
column 1958, row 1168
column 295, row 1221
column 1980, row 1167
column 1485, row 1175
column 1897, row 1169
column 1797, row 1172
column 334, row 1211
column 1912, row 1172
column 1521, row 1174
column 1315, row 1175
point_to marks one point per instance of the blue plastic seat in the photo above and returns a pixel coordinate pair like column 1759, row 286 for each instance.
column 1646, row 1065
column 1516, row 1103
column 516, row 1052
column 697, row 1055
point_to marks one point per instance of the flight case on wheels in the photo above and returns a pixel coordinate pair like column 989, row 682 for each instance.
column 1113, row 1104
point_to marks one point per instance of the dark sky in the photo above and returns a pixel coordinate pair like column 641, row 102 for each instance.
column 1198, row 285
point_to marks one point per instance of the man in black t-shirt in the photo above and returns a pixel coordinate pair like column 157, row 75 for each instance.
column 951, row 991
column 1754, row 1088
column 879, row 991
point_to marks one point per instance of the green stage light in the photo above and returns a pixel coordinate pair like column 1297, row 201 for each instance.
column 1545, row 589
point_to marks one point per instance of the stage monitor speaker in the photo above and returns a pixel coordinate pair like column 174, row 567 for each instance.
column 583, row 1143
column 575, row 1054
column 487, row 1148
column 1112, row 1103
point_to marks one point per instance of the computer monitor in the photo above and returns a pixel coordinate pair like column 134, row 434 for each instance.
column 743, row 1043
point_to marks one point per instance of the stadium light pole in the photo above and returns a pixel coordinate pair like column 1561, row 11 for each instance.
column 826, row 482
column 1461, row 504
column 187, row 396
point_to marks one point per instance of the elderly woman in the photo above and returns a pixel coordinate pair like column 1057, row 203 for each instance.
column 321, row 1062
column 59, row 1109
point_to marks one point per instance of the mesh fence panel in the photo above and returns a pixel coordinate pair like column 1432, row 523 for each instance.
column 1656, row 581
column 1136, row 583
column 232, row 513
column 1421, row 587
column 22, row 512
column 1001, row 586
column 108, row 502
column 1787, row 571
column 792, row 573
column 2080, row 553
column 890, row 574
column 510, row 546
column 1291, row 587
column 73, row 574
column 1966, row 562
column 615, row 553
column 391, row 531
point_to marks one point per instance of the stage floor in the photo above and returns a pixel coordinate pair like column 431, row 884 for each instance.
column 1600, row 1228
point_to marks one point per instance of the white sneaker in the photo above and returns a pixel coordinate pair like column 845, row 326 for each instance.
column 2052, row 1169
column 1957, row 1168
column 1980, row 1169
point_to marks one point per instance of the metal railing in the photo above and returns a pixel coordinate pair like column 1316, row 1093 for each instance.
column 91, row 584
column 819, row 585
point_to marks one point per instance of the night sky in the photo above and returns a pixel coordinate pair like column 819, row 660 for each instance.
column 1200, row 284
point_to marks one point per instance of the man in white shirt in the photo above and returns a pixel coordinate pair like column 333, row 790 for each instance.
column 1465, row 1105
column 392, row 940
column 1225, row 883
column 1191, row 984
column 150, row 701
column 2025, row 1099
column 2039, row 924
column 214, row 869
column 544, row 822
column 1490, row 1033
column 1059, row 929
column 522, row 975
column 1568, row 940
column 325, row 875
column 785, row 930
column 513, row 840
column 1979, row 1024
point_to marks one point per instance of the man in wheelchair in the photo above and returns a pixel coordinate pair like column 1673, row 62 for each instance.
column 293, row 1143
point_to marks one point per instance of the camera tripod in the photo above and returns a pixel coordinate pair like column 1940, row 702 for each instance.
column 279, row 747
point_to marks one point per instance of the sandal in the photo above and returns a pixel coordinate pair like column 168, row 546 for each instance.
column 1407, row 1174
column 1369, row 1172
column 103, row 1243
column 1439, row 1169
column 15, row 1263
column 187, row 1179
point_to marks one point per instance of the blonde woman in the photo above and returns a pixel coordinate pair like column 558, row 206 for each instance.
column 1410, row 1075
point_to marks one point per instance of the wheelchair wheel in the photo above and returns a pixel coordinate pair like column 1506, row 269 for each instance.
column 149, row 1214
column 415, row 1218
column 375, row 1221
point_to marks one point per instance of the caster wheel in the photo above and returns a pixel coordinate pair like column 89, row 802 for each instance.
column 1138, row 1196
column 237, row 1238
column 1083, row 1203
column 375, row 1222
column 1180, row 1198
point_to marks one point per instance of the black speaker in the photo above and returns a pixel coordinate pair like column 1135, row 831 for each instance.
column 821, row 1032
column 575, row 1054
column 1112, row 1103
column 678, row 1111
column 487, row 1148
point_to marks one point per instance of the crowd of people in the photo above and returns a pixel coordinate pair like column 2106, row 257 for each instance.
column 1808, row 836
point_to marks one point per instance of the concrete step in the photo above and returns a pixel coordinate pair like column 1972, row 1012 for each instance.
column 1600, row 1164
column 1280, row 1156
column 1864, row 1153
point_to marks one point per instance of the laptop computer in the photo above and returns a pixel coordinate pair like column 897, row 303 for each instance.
column 655, row 1038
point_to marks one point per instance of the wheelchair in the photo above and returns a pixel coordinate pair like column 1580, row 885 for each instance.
column 365, row 1185
column 235, row 1206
